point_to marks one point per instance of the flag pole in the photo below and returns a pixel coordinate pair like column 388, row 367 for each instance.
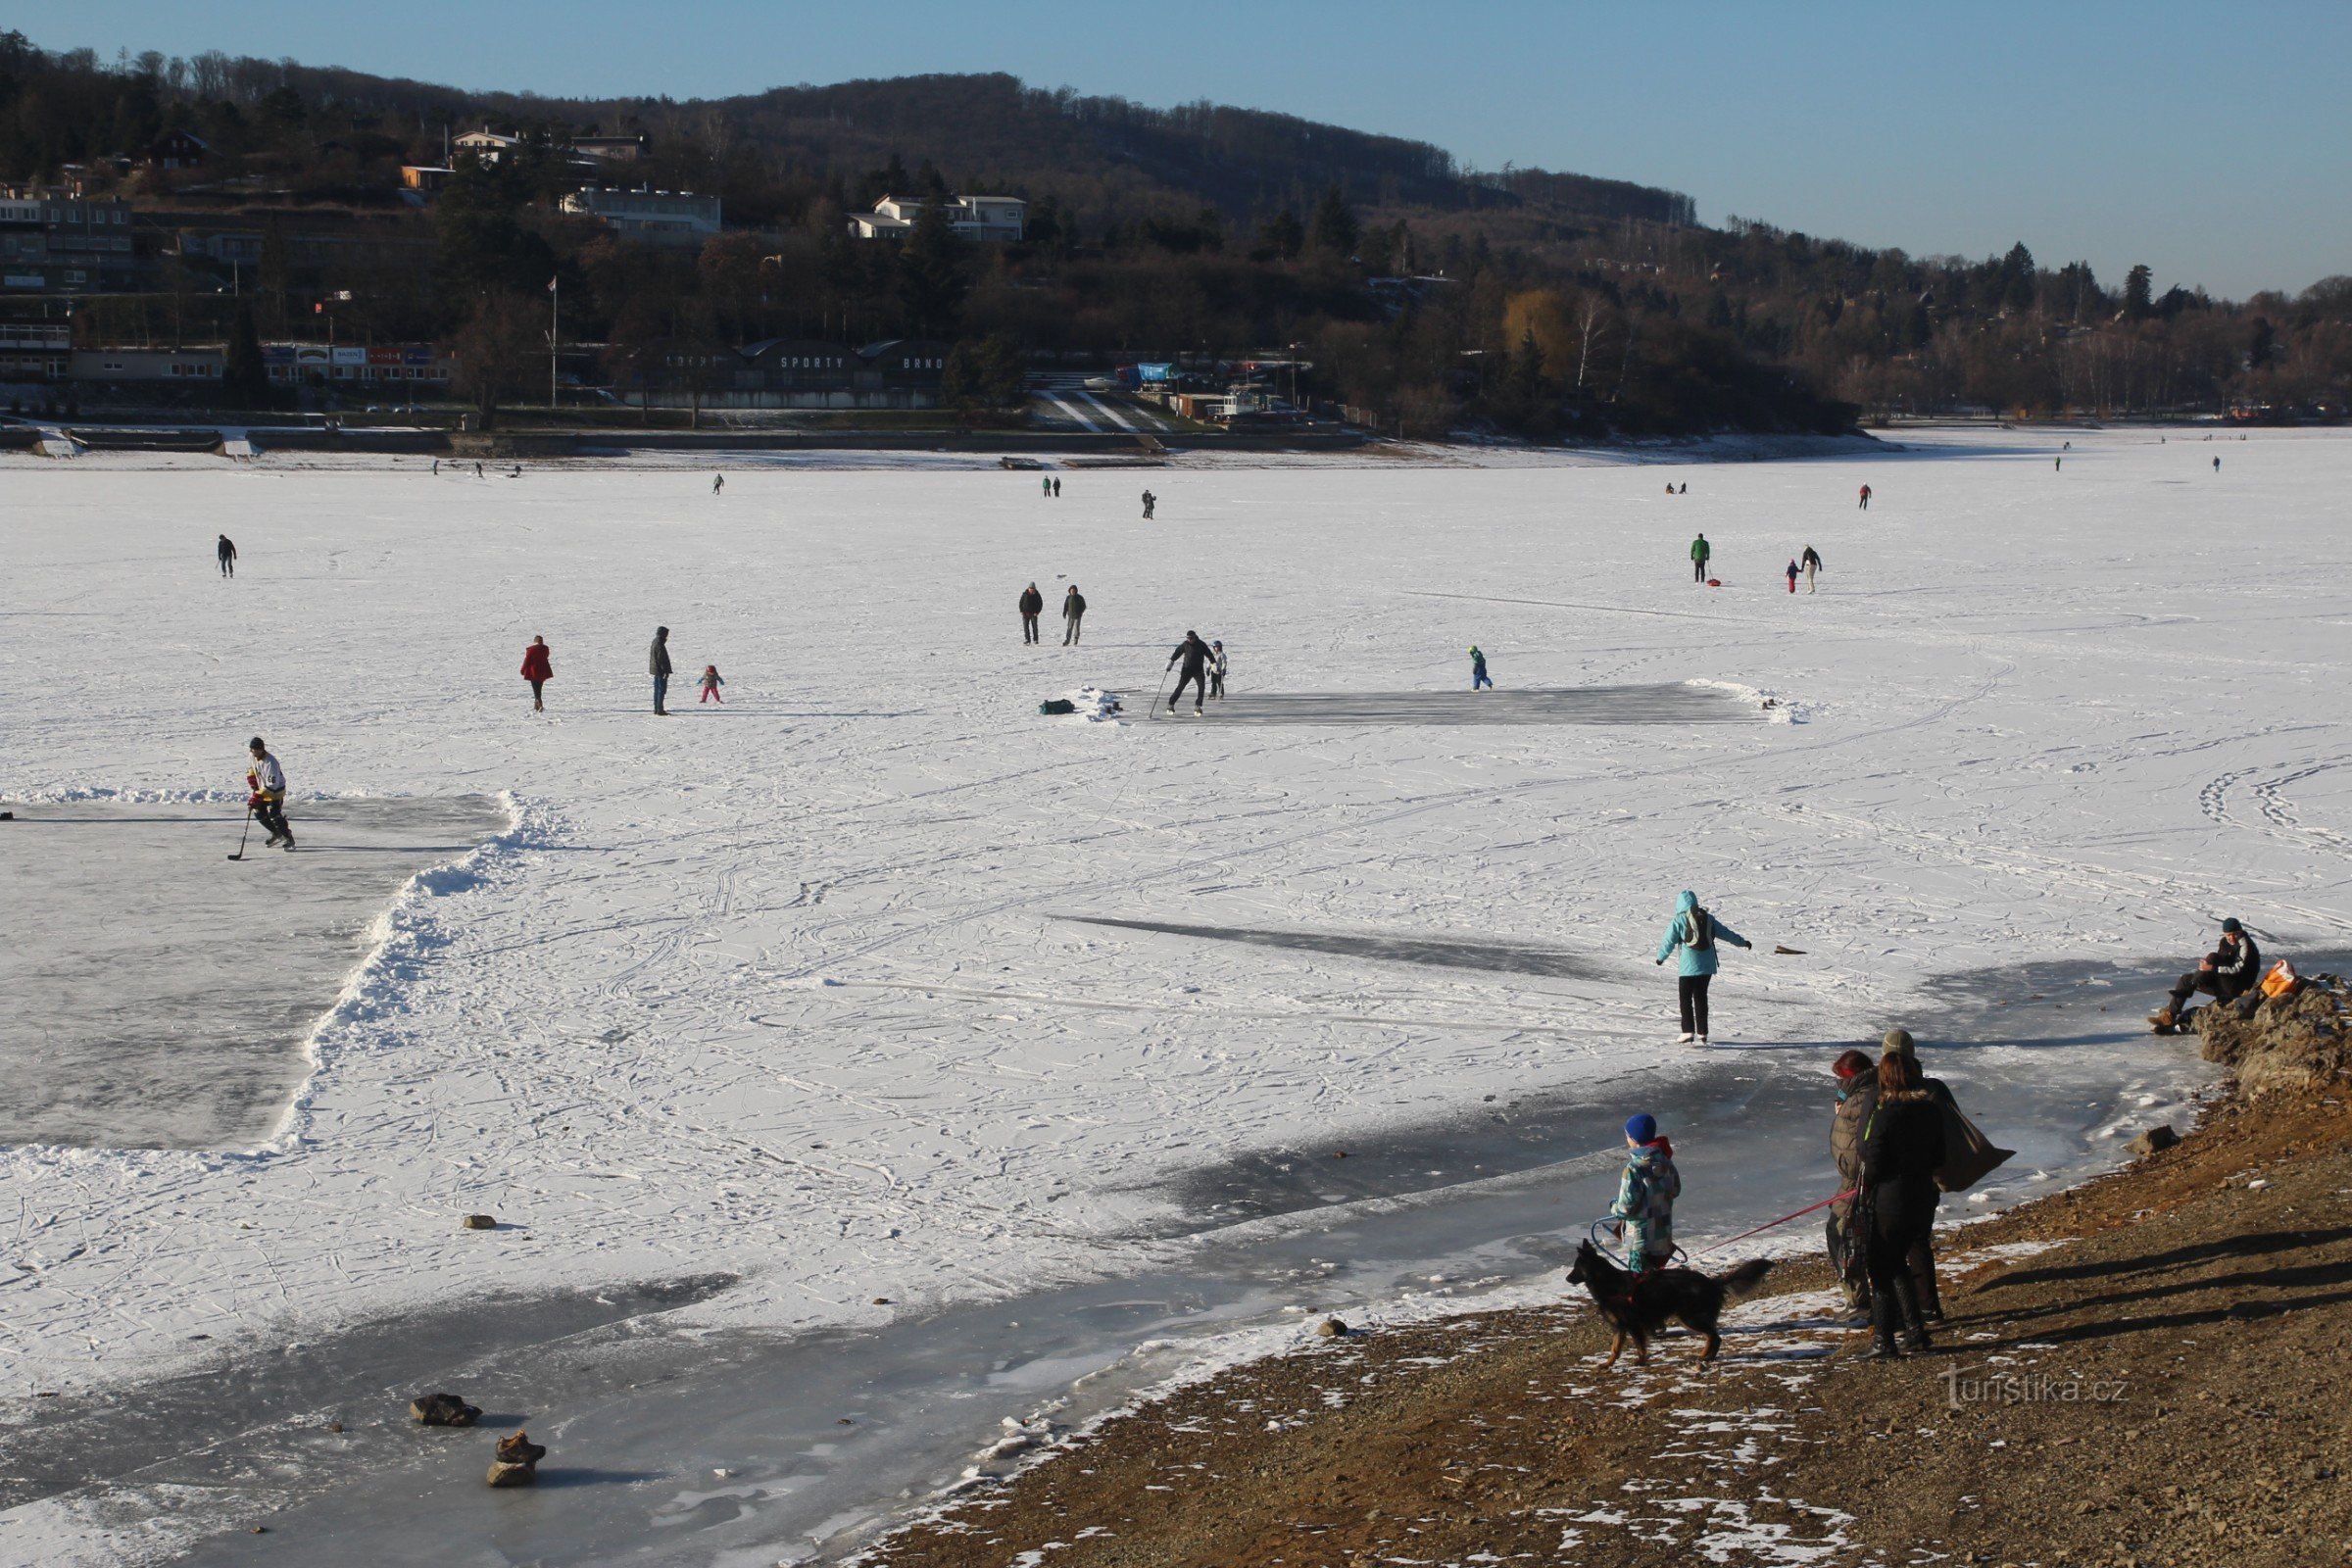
column 555, row 305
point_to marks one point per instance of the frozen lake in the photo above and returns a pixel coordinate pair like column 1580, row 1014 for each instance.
column 159, row 993
column 874, row 983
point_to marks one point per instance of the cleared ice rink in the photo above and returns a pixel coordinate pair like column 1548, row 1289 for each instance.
column 874, row 983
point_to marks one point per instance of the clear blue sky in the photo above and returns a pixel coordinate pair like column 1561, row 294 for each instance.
column 2208, row 140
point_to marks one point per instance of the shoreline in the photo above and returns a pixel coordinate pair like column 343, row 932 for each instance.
column 1495, row 1434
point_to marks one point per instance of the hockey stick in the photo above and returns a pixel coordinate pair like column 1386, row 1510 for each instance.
column 241, row 836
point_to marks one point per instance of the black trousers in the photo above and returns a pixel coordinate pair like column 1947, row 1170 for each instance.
column 536, row 687
column 1694, row 993
column 2188, row 985
column 273, row 816
column 1028, row 627
column 1902, row 1214
column 1699, row 572
column 1195, row 680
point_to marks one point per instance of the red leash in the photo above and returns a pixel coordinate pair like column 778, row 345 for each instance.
column 1783, row 1220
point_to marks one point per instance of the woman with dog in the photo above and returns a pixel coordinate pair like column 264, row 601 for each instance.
column 1902, row 1144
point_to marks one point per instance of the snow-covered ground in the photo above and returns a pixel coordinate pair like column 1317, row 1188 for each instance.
column 812, row 988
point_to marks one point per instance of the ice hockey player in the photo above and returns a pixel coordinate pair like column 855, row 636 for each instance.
column 1033, row 605
column 1194, row 653
column 265, row 784
column 2230, row 971
column 1693, row 933
column 1646, row 1195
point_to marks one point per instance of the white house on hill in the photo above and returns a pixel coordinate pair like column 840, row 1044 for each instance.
column 998, row 220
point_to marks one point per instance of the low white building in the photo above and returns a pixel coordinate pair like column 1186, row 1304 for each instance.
column 996, row 219
column 650, row 216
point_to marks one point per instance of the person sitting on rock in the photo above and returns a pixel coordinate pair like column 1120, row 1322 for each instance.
column 2224, row 974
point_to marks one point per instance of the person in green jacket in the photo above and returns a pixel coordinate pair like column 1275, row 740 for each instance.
column 1646, row 1195
column 1701, row 553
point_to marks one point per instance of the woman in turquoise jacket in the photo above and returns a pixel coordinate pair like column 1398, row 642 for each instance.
column 1693, row 933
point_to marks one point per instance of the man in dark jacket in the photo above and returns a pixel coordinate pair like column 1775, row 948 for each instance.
column 226, row 552
column 658, row 663
column 1033, row 605
column 2224, row 974
column 1073, row 615
column 1194, row 653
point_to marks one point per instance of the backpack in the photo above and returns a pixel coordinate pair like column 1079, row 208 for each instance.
column 1698, row 930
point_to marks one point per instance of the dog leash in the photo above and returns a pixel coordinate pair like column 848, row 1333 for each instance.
column 1770, row 1223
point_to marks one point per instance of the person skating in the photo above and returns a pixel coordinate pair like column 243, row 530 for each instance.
column 2217, row 463
column 1216, row 671
column 1033, row 605
column 1866, row 498
column 711, row 685
column 1149, row 501
column 1793, row 574
column 1057, row 489
column 1478, row 669
column 1701, row 553
column 1073, row 616
column 656, row 663
column 1811, row 562
column 1195, row 655
column 718, row 482
column 2057, row 463
column 1902, row 1144
column 1646, row 1195
column 2232, row 969
column 538, row 668
column 1685, row 490
column 1045, row 485
column 226, row 553
column 265, row 783
column 1694, row 933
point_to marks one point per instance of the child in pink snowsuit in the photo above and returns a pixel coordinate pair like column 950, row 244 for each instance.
column 711, row 685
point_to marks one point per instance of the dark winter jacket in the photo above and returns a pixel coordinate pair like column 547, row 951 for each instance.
column 1073, row 605
column 657, row 661
column 1811, row 557
column 1902, row 1140
column 1033, row 602
column 536, row 664
column 1846, row 1136
column 1194, row 653
column 2235, row 971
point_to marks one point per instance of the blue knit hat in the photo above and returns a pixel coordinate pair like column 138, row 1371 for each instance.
column 1642, row 1128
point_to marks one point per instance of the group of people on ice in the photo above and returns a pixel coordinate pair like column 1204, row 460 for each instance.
column 1808, row 566
column 1073, row 613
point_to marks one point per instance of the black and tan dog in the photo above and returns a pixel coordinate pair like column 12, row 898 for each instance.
column 1636, row 1306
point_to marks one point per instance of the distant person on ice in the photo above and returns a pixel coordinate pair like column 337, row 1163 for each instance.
column 2217, row 465
column 658, row 665
column 1701, row 553
column 226, row 552
column 2230, row 971
column 1793, row 574
column 1478, row 669
column 265, row 783
column 1866, row 498
column 1057, row 489
column 718, row 482
column 1149, row 501
column 1194, row 653
column 1033, row 605
column 1693, row 933
column 1216, row 671
column 538, row 668
column 1073, row 615
column 1045, row 485
column 1811, row 562
column 1646, row 1195
column 711, row 685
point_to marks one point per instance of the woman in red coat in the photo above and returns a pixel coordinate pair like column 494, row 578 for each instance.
column 538, row 668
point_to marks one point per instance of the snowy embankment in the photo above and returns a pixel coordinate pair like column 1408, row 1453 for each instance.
column 2051, row 716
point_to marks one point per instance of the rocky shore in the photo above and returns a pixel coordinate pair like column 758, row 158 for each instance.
column 2154, row 1368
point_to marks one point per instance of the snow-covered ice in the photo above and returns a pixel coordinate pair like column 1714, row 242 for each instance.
column 814, row 987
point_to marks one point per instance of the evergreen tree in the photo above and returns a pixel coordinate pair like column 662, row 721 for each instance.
column 932, row 280
column 245, row 383
column 2137, row 286
column 1281, row 237
column 1333, row 228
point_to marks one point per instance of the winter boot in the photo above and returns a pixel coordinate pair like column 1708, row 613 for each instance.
column 1923, row 1285
column 1906, row 1299
column 1882, row 1329
column 2162, row 1020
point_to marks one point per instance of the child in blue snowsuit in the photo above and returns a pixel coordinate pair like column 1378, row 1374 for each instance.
column 1478, row 669
column 1646, row 1195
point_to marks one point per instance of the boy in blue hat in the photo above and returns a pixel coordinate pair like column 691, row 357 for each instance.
column 1646, row 1195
